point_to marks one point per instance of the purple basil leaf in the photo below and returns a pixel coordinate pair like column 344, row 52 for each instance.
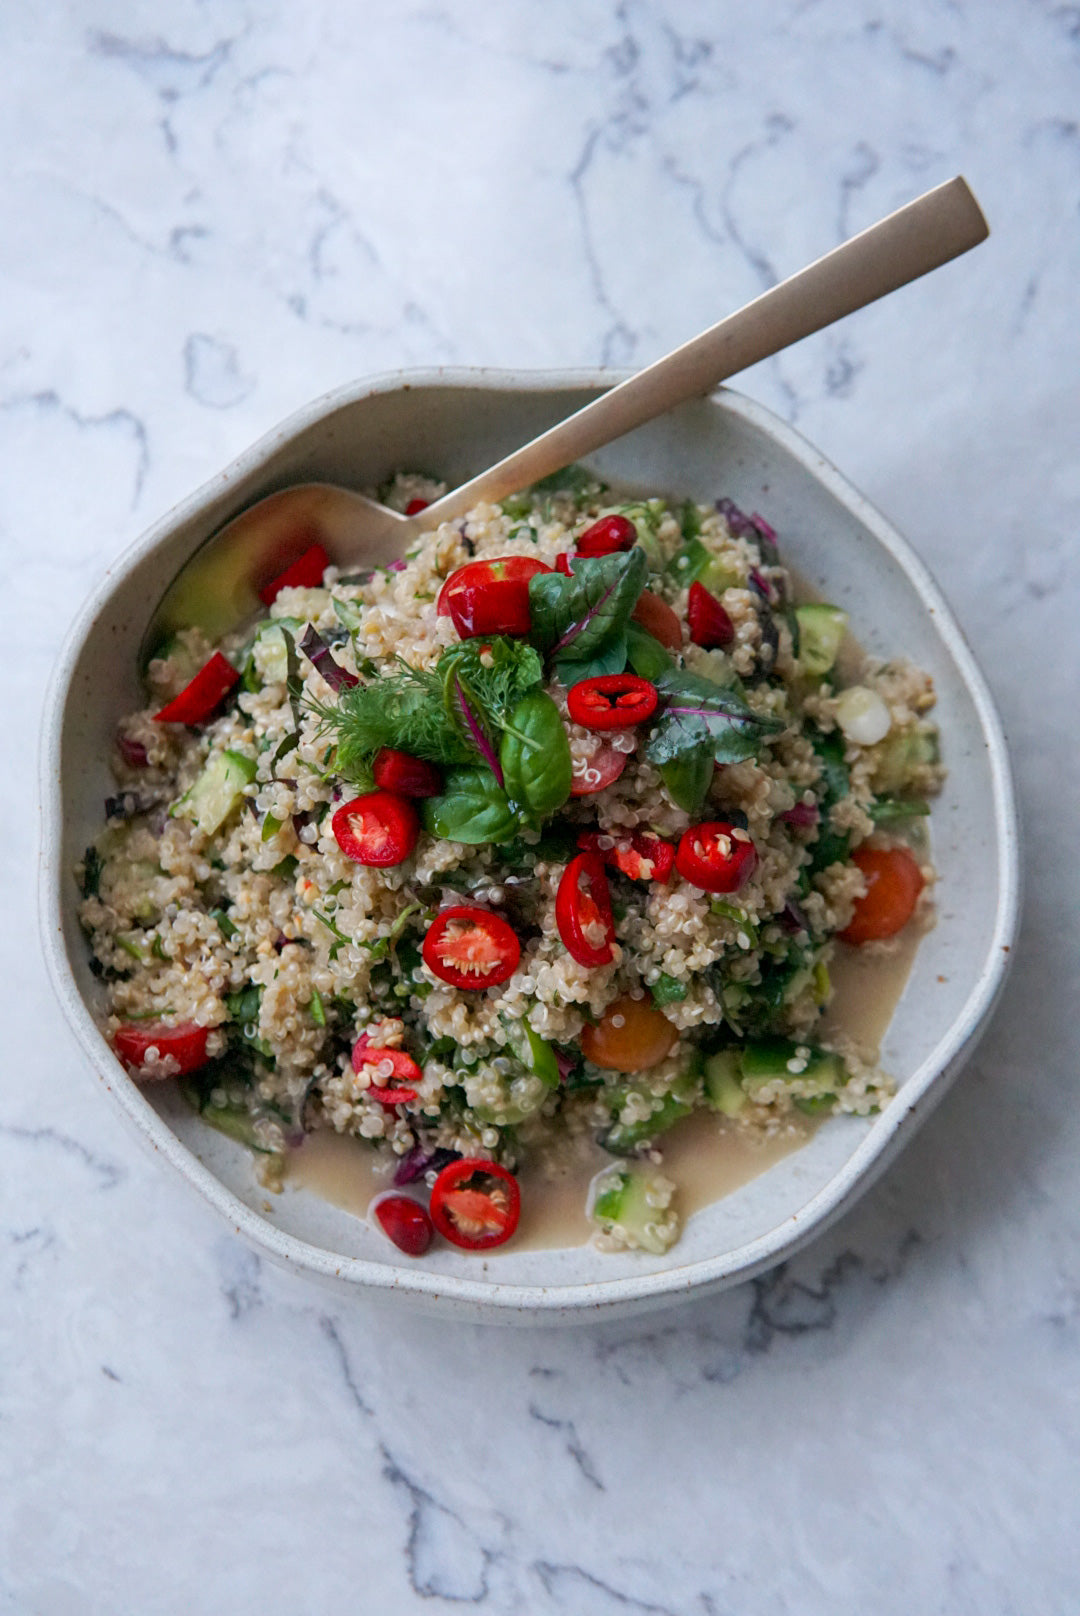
column 577, row 619
column 419, row 1159
column 792, row 918
column 802, row 816
column 321, row 657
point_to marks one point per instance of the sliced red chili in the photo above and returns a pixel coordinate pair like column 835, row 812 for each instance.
column 710, row 625
column 407, row 775
column 490, row 597
column 716, row 856
column 470, row 947
column 415, row 506
column 605, row 537
column 475, row 1204
column 198, row 699
column 404, row 1221
column 306, row 572
column 393, row 1073
column 583, row 911
column 378, row 829
column 597, row 771
column 637, row 854
column 657, row 618
column 180, row 1049
column 612, row 701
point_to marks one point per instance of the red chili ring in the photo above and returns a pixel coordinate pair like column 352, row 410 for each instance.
column 576, row 909
column 612, row 701
column 471, row 948
column 475, row 1216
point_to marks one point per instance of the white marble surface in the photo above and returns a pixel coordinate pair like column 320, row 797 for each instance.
column 213, row 212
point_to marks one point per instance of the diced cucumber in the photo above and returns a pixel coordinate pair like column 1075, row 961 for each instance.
column 541, row 1057
column 821, row 629
column 723, row 1089
column 900, row 757
column 769, row 1060
column 635, row 1202
column 216, row 792
column 623, row 1138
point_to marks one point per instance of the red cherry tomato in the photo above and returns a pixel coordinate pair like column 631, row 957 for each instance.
column 471, row 948
column 893, row 884
column 378, row 829
column 657, row 618
column 638, row 855
column 612, row 701
column 600, row 769
column 408, row 776
column 415, row 506
column 716, row 856
column 393, row 1074
column 605, row 537
column 184, row 1044
column 710, row 625
column 306, row 572
column 490, row 597
column 562, row 564
column 475, row 1204
column 583, row 911
column 198, row 699
column 404, row 1221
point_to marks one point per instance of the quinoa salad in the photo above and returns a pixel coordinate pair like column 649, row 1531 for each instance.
column 540, row 840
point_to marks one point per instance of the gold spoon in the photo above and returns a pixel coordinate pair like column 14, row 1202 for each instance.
column 217, row 587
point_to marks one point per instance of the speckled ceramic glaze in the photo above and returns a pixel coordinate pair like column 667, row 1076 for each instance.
column 454, row 423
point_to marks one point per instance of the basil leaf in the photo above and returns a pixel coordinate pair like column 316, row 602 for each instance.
column 582, row 620
column 698, row 711
column 535, row 757
column 646, row 655
column 687, row 779
column 472, row 809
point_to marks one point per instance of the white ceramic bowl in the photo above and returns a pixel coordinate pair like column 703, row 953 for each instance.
column 455, row 423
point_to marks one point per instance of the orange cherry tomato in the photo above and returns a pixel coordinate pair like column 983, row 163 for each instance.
column 631, row 1036
column 657, row 618
column 893, row 884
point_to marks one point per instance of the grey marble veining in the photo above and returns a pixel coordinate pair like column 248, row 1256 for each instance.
column 213, row 213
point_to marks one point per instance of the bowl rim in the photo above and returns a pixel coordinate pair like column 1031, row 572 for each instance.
column 874, row 1151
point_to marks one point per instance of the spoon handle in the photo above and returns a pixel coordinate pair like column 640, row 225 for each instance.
column 936, row 227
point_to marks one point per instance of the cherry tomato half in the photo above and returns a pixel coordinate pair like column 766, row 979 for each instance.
column 562, row 564
column 630, row 1036
column 638, row 855
column 490, row 597
column 184, row 1044
column 378, row 829
column 198, row 699
column 605, row 537
column 404, row 1221
column 471, row 948
column 392, row 1072
column 717, row 857
column 612, row 701
column 600, row 769
column 407, row 775
column 710, row 625
column 475, row 1204
column 893, row 884
column 657, row 618
column 583, row 911
column 306, row 572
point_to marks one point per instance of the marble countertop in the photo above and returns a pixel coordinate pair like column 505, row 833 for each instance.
column 213, row 213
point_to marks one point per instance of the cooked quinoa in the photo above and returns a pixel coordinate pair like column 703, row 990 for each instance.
column 222, row 906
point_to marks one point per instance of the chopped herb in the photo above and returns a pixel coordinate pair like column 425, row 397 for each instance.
column 225, row 925
column 315, row 1005
column 93, row 864
column 286, row 868
column 668, row 990
column 270, row 826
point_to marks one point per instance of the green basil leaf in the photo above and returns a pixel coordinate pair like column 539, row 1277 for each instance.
column 578, row 619
column 535, row 757
column 698, row 711
column 473, row 808
column 610, row 659
column 688, row 777
column 646, row 655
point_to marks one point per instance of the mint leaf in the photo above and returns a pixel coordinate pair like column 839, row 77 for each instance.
column 580, row 622
column 697, row 712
